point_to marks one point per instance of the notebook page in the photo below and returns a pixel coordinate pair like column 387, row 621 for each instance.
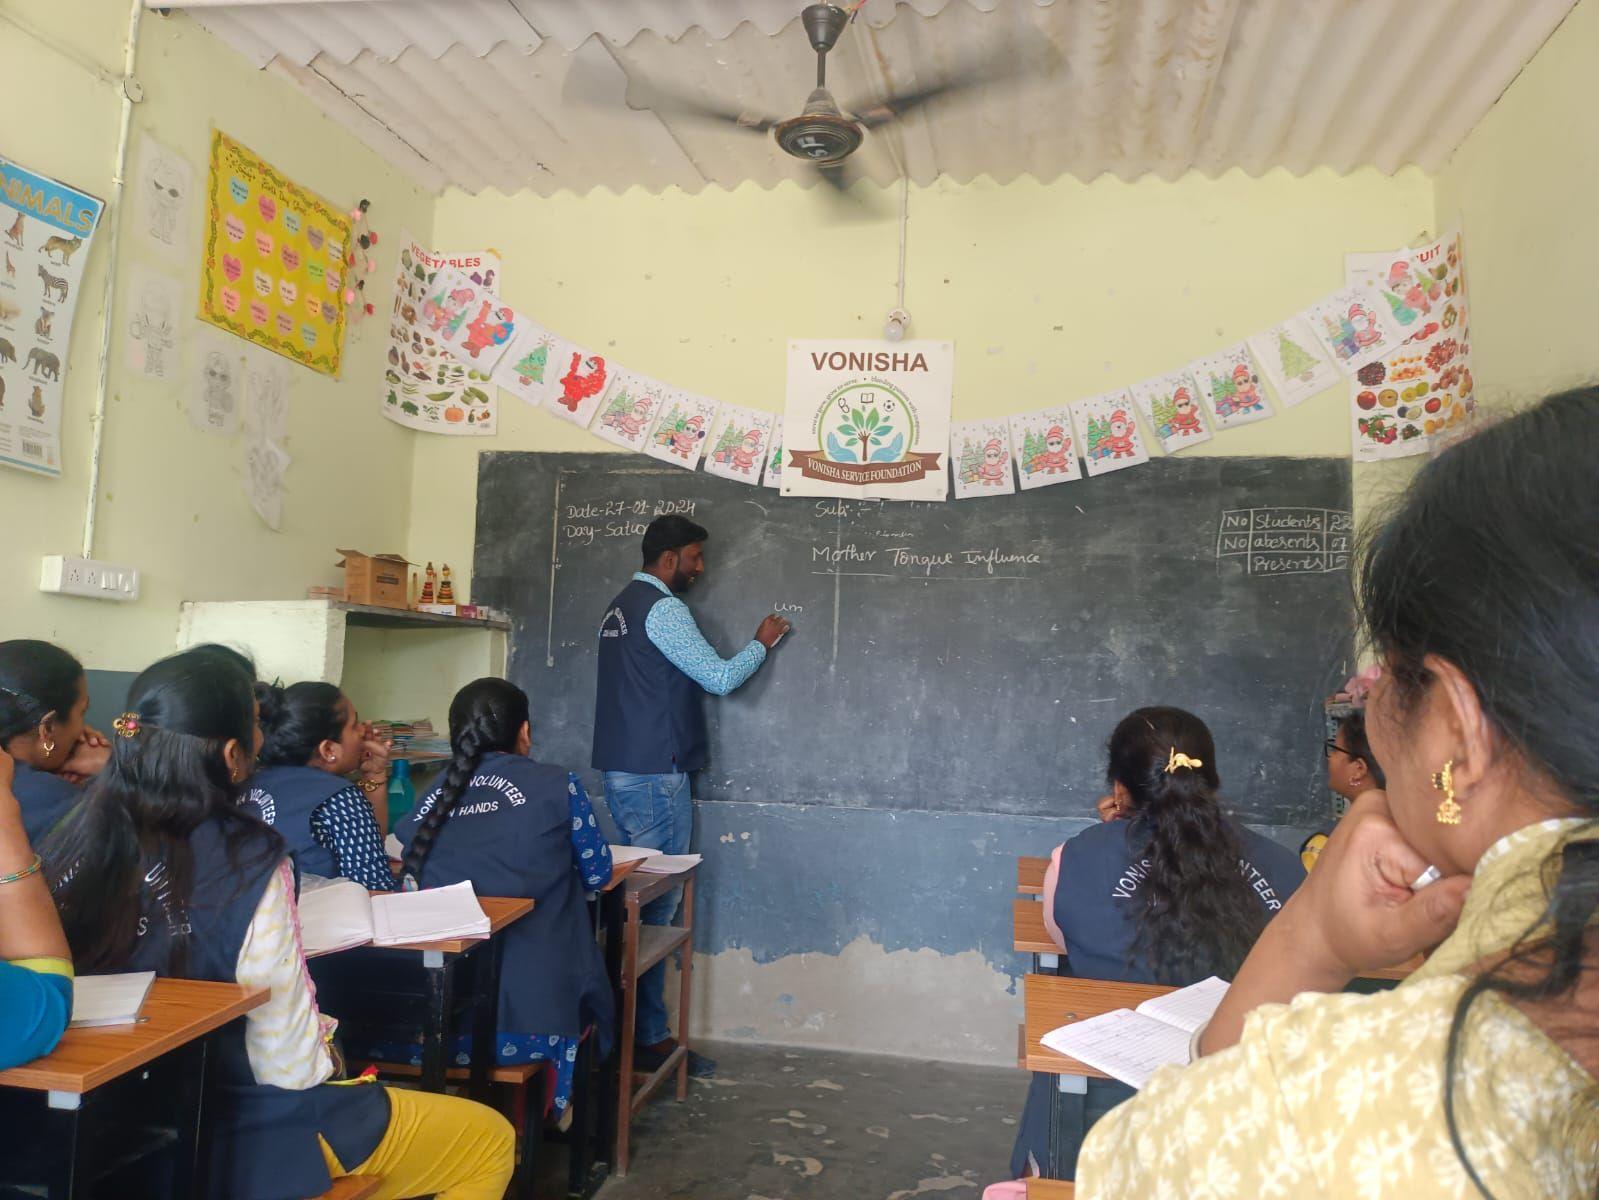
column 109, row 999
column 626, row 854
column 429, row 915
column 1124, row 1044
column 668, row 864
column 334, row 915
column 1187, row 1008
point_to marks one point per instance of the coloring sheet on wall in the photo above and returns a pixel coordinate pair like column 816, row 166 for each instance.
column 163, row 195
column 1353, row 327
column 1292, row 360
column 979, row 456
column 1230, row 386
column 216, row 388
column 1391, row 275
column 424, row 387
column 1424, row 391
column 476, row 326
column 530, row 367
column 264, row 467
column 45, row 231
column 739, row 443
column 629, row 411
column 1170, row 403
column 1044, row 448
column 153, row 347
column 772, row 477
column 267, row 379
column 679, row 434
column 1108, row 433
column 580, row 383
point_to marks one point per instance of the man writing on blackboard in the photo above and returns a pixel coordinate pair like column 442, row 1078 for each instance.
column 649, row 726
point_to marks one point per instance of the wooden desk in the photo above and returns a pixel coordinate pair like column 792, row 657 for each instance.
column 1030, row 875
column 500, row 910
column 1030, row 936
column 180, row 1014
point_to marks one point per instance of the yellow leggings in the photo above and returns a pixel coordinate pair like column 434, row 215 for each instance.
column 440, row 1146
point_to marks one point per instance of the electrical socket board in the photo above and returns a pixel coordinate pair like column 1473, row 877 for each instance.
column 69, row 575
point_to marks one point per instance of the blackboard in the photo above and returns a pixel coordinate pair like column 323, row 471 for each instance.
column 968, row 656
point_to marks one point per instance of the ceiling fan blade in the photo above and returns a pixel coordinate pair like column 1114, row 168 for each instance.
column 656, row 98
column 993, row 70
column 838, row 177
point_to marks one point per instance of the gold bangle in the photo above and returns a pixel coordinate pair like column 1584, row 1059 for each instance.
column 31, row 869
column 371, row 785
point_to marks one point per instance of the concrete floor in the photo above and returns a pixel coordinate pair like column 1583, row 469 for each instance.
column 774, row 1124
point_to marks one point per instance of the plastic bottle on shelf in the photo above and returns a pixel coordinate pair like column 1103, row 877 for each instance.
column 402, row 793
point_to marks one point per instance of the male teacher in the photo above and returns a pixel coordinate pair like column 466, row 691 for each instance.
column 649, row 726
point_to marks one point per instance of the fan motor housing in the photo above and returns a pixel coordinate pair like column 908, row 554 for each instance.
column 821, row 134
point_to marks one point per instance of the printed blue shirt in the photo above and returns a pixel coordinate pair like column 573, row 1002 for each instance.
column 675, row 633
column 345, row 824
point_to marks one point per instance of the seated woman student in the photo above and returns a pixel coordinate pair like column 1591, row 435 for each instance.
column 1476, row 1076
column 161, row 868
column 312, row 741
column 515, row 827
column 43, row 696
column 1166, row 890
column 1352, row 771
column 35, row 969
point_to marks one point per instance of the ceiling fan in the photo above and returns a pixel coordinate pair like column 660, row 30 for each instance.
column 823, row 134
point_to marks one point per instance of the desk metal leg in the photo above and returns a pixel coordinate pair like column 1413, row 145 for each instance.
column 67, row 1171
column 436, row 1019
column 485, row 1020
column 190, row 1154
column 1068, row 1117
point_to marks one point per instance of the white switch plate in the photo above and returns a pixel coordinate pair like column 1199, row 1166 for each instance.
column 73, row 576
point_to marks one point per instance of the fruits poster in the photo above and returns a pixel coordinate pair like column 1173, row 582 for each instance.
column 425, row 386
column 46, row 227
column 274, row 259
column 1424, row 390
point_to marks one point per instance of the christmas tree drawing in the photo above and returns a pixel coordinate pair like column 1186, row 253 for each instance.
column 1098, row 431
column 1402, row 311
column 971, row 460
column 1033, row 449
column 620, row 406
column 530, row 367
column 1222, row 391
column 673, row 422
column 732, row 435
column 1296, row 360
column 1164, row 413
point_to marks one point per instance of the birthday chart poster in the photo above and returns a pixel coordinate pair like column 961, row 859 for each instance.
column 45, row 231
column 274, row 263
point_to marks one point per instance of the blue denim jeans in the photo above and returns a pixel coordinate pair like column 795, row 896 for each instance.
column 655, row 811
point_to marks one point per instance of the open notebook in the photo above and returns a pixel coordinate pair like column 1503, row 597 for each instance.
column 1132, row 1044
column 338, row 914
column 109, row 999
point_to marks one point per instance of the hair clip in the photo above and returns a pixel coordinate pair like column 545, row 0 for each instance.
column 126, row 725
column 1179, row 759
column 1358, row 687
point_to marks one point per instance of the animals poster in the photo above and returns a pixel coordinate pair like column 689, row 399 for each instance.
column 868, row 419
column 1044, row 449
column 216, row 388
column 272, row 270
column 1292, row 360
column 163, row 195
column 772, row 477
column 679, row 434
column 423, row 386
column 628, row 412
column 1108, row 433
column 1231, row 387
column 979, row 456
column 1170, row 403
column 581, row 377
column 739, row 444
column 477, row 326
column 46, row 228
column 1354, row 327
column 154, row 344
column 530, row 366
column 1424, row 391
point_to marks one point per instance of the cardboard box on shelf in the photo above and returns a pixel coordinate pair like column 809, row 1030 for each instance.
column 376, row 579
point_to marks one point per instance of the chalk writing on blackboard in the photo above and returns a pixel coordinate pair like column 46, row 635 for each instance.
column 1285, row 541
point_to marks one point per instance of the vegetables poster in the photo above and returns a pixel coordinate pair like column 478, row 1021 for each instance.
column 274, row 262
column 424, row 385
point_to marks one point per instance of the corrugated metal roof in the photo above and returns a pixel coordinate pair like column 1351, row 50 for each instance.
column 530, row 94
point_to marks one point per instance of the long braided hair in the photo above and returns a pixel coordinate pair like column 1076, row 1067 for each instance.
column 486, row 717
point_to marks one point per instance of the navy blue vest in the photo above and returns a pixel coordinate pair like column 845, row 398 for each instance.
column 649, row 717
column 510, row 834
column 264, row 1139
column 44, row 799
column 285, row 798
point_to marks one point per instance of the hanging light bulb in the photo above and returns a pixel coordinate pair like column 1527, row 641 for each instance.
column 898, row 322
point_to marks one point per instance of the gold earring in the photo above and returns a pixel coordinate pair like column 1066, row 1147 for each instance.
column 48, row 746
column 1448, row 808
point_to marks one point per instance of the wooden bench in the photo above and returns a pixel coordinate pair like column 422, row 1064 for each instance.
column 1030, row 875
column 353, row 1187
column 1030, row 935
column 1050, row 1189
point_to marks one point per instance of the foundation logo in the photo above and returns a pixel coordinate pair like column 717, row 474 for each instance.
column 868, row 419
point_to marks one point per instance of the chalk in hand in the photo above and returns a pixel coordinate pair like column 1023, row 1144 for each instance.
column 1429, row 876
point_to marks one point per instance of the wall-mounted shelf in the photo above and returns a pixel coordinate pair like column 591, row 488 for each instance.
column 374, row 616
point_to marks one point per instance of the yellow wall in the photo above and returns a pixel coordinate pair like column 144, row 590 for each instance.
column 1522, row 186
column 172, row 501
column 1052, row 292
